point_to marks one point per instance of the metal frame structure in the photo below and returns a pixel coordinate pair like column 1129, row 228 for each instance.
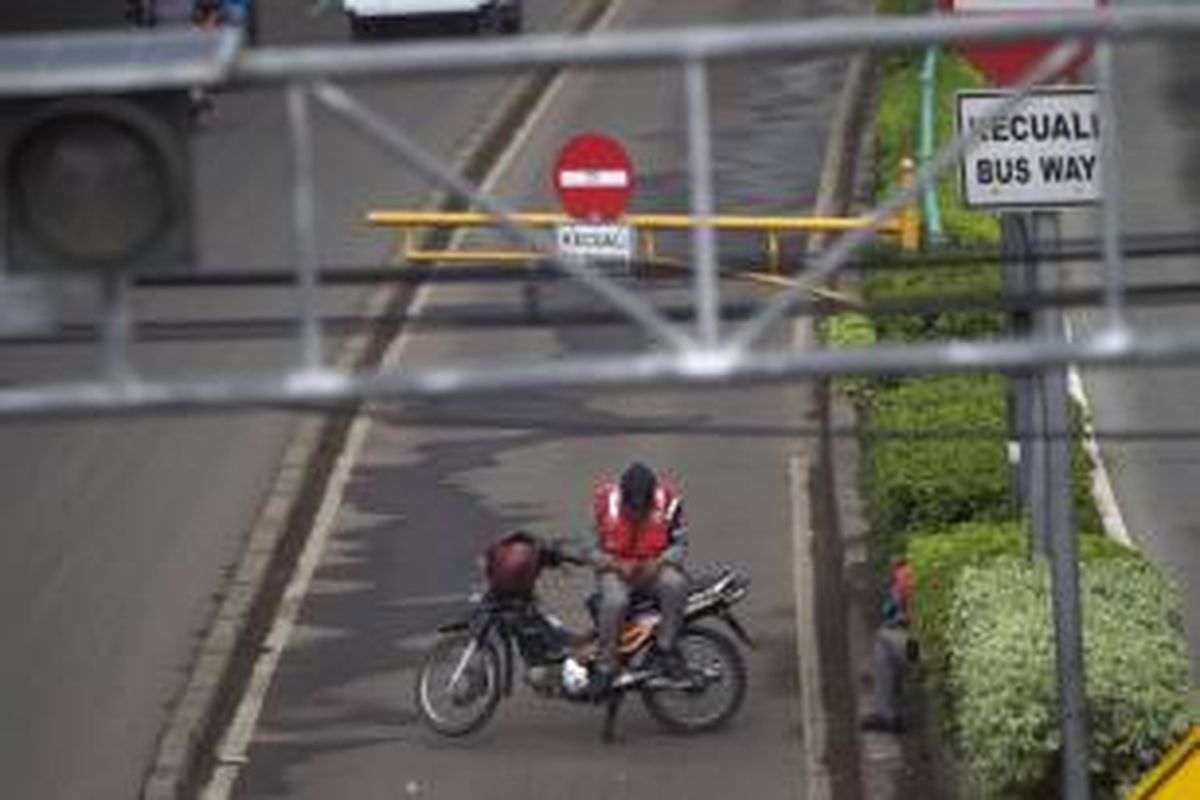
column 710, row 352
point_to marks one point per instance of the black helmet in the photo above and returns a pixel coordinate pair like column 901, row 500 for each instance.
column 637, row 489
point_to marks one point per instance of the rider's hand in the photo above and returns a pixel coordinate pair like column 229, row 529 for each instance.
column 641, row 571
column 606, row 563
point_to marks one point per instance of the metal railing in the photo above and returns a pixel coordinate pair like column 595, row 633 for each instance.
column 707, row 350
column 905, row 229
column 711, row 350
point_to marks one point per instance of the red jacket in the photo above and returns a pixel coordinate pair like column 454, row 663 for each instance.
column 624, row 538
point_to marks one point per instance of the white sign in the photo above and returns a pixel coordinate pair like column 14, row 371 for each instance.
column 1045, row 154
column 593, row 179
column 596, row 241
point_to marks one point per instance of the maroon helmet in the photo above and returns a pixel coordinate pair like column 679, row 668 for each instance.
column 513, row 563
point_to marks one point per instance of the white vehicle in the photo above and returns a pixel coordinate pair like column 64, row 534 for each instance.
column 369, row 16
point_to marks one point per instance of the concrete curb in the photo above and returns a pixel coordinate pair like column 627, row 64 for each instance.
column 226, row 656
column 819, row 737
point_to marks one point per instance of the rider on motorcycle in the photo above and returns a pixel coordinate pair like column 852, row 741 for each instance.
column 641, row 541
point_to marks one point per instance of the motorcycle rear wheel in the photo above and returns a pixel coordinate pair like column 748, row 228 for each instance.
column 457, row 708
column 721, row 689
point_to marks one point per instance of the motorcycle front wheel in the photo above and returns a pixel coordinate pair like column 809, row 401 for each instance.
column 719, row 677
column 458, row 687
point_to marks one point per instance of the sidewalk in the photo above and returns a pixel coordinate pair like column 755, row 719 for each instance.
column 890, row 766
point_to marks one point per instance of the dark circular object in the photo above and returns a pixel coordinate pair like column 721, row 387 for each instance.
column 93, row 184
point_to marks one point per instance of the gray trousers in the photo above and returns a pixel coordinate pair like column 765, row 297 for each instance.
column 891, row 665
column 669, row 587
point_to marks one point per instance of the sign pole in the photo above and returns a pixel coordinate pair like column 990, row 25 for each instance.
column 1019, row 281
column 1040, row 411
column 1045, row 155
column 1060, row 532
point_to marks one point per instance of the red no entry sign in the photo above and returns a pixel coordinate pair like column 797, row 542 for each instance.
column 1005, row 62
column 593, row 177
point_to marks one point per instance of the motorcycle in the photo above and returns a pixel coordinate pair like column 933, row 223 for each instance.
column 471, row 666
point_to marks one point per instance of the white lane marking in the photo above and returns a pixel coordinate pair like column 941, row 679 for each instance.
column 234, row 746
column 813, row 716
column 232, row 752
column 1103, row 493
column 814, row 738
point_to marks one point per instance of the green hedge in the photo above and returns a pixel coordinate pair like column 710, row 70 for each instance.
column 937, row 562
column 932, row 286
column 903, row 6
column 849, row 329
column 1002, row 677
column 935, row 456
column 981, row 608
column 929, row 478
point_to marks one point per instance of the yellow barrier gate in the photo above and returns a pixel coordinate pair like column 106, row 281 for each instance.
column 905, row 229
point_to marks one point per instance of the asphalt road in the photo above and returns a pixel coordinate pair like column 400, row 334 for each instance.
column 433, row 481
column 118, row 535
column 1155, row 477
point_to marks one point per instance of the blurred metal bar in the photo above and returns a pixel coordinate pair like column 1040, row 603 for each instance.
column 807, row 37
column 687, row 360
column 1110, row 182
column 660, row 368
column 704, row 240
column 116, row 326
column 1052, row 517
column 116, row 61
column 304, row 224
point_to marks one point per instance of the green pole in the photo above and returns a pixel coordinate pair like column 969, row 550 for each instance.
column 926, row 136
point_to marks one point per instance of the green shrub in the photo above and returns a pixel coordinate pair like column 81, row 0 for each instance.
column 938, row 558
column 896, row 119
column 981, row 608
column 903, row 6
column 1003, row 683
column 849, row 330
column 930, row 462
column 932, row 286
column 937, row 561
column 932, row 476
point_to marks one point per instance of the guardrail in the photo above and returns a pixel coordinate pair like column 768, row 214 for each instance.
column 710, row 349
column 904, row 228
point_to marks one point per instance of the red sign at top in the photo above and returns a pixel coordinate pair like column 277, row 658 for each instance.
column 594, row 177
column 1005, row 62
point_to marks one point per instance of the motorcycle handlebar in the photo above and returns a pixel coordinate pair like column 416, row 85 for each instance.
column 564, row 551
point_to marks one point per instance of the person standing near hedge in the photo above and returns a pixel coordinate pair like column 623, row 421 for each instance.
column 894, row 651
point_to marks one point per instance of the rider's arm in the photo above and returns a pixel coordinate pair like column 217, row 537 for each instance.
column 601, row 558
column 677, row 549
